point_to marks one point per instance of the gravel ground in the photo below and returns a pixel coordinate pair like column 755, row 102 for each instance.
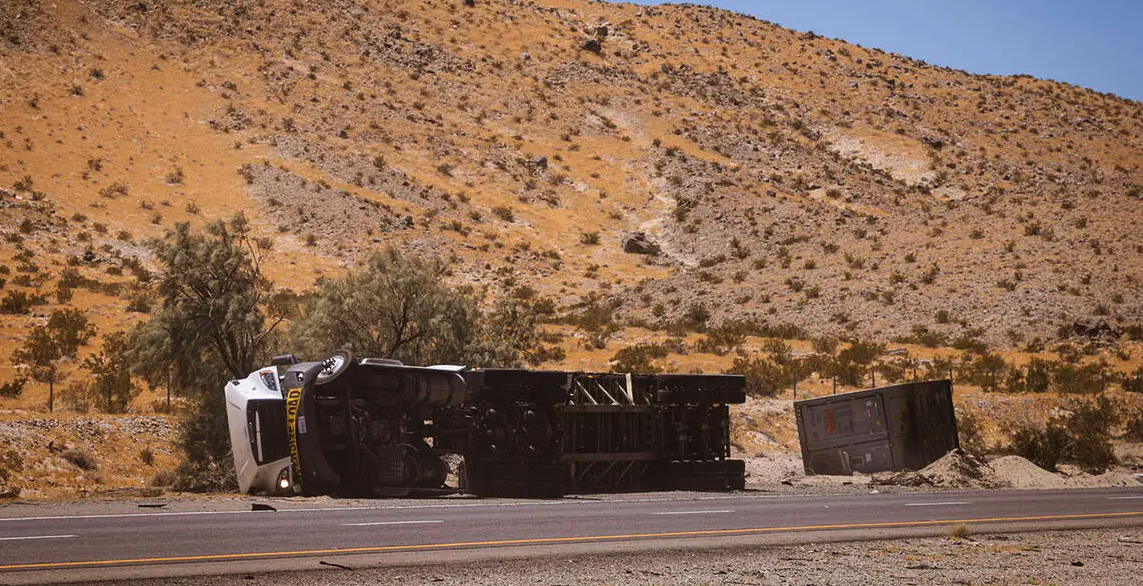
column 1078, row 558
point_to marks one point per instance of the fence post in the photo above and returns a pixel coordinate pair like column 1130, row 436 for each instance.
column 795, row 376
column 835, row 384
column 873, row 373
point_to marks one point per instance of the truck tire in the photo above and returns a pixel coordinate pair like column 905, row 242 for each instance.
column 335, row 365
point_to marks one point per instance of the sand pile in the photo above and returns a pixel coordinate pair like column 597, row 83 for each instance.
column 1018, row 472
column 956, row 469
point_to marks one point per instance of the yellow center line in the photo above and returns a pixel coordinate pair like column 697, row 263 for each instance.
column 552, row 540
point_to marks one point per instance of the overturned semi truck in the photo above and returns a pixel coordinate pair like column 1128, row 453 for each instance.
column 376, row 427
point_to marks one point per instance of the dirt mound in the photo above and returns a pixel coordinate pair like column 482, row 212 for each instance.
column 956, row 469
column 1018, row 472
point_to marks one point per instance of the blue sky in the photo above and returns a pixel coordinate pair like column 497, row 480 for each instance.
column 1096, row 44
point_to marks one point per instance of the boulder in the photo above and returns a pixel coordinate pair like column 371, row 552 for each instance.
column 639, row 243
column 592, row 45
column 1094, row 327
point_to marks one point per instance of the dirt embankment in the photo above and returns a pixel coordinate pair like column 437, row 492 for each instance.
column 71, row 456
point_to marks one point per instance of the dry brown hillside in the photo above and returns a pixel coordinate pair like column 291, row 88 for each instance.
column 784, row 177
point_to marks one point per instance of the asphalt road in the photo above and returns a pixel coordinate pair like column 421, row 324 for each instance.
column 122, row 540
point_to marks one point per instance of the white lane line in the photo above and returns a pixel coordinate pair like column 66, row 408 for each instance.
column 37, row 537
column 942, row 504
column 1124, row 498
column 706, row 512
column 476, row 505
column 420, row 522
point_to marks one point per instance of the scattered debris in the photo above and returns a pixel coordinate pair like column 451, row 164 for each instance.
column 261, row 507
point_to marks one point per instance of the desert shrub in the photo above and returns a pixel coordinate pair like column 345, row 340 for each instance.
column 1043, row 447
column 147, row 456
column 970, row 343
column 1133, row 382
column 1081, row 436
column 1015, row 382
column 825, row 345
column 82, row 459
column 15, row 303
column 163, row 478
column 969, row 428
column 10, row 463
column 1133, row 426
column 13, row 388
column 1090, row 426
column 852, row 364
column 1087, row 379
column 78, row 396
column 722, row 339
column 597, row 320
column 763, row 377
column 986, row 371
column 893, row 371
column 1039, row 376
column 639, row 358
column 504, row 213
column 923, row 336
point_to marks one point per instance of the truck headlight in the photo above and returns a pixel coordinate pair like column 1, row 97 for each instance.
column 284, row 480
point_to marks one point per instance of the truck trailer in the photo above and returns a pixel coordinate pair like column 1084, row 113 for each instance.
column 899, row 427
column 376, row 427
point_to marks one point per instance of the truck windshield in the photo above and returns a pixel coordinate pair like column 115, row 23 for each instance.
column 266, row 422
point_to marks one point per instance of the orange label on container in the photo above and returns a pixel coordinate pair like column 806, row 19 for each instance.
column 830, row 422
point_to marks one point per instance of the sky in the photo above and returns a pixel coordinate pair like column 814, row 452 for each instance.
column 1096, row 44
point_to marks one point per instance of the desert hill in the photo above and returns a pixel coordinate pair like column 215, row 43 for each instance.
column 782, row 177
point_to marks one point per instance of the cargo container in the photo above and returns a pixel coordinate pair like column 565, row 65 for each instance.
column 899, row 427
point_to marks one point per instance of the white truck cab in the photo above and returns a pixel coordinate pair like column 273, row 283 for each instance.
column 256, row 412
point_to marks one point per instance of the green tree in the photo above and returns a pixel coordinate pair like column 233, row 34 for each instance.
column 212, row 326
column 111, row 386
column 392, row 306
column 214, row 305
column 510, row 335
column 399, row 306
column 65, row 332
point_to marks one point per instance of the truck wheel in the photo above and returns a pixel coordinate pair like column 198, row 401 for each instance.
column 335, row 365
